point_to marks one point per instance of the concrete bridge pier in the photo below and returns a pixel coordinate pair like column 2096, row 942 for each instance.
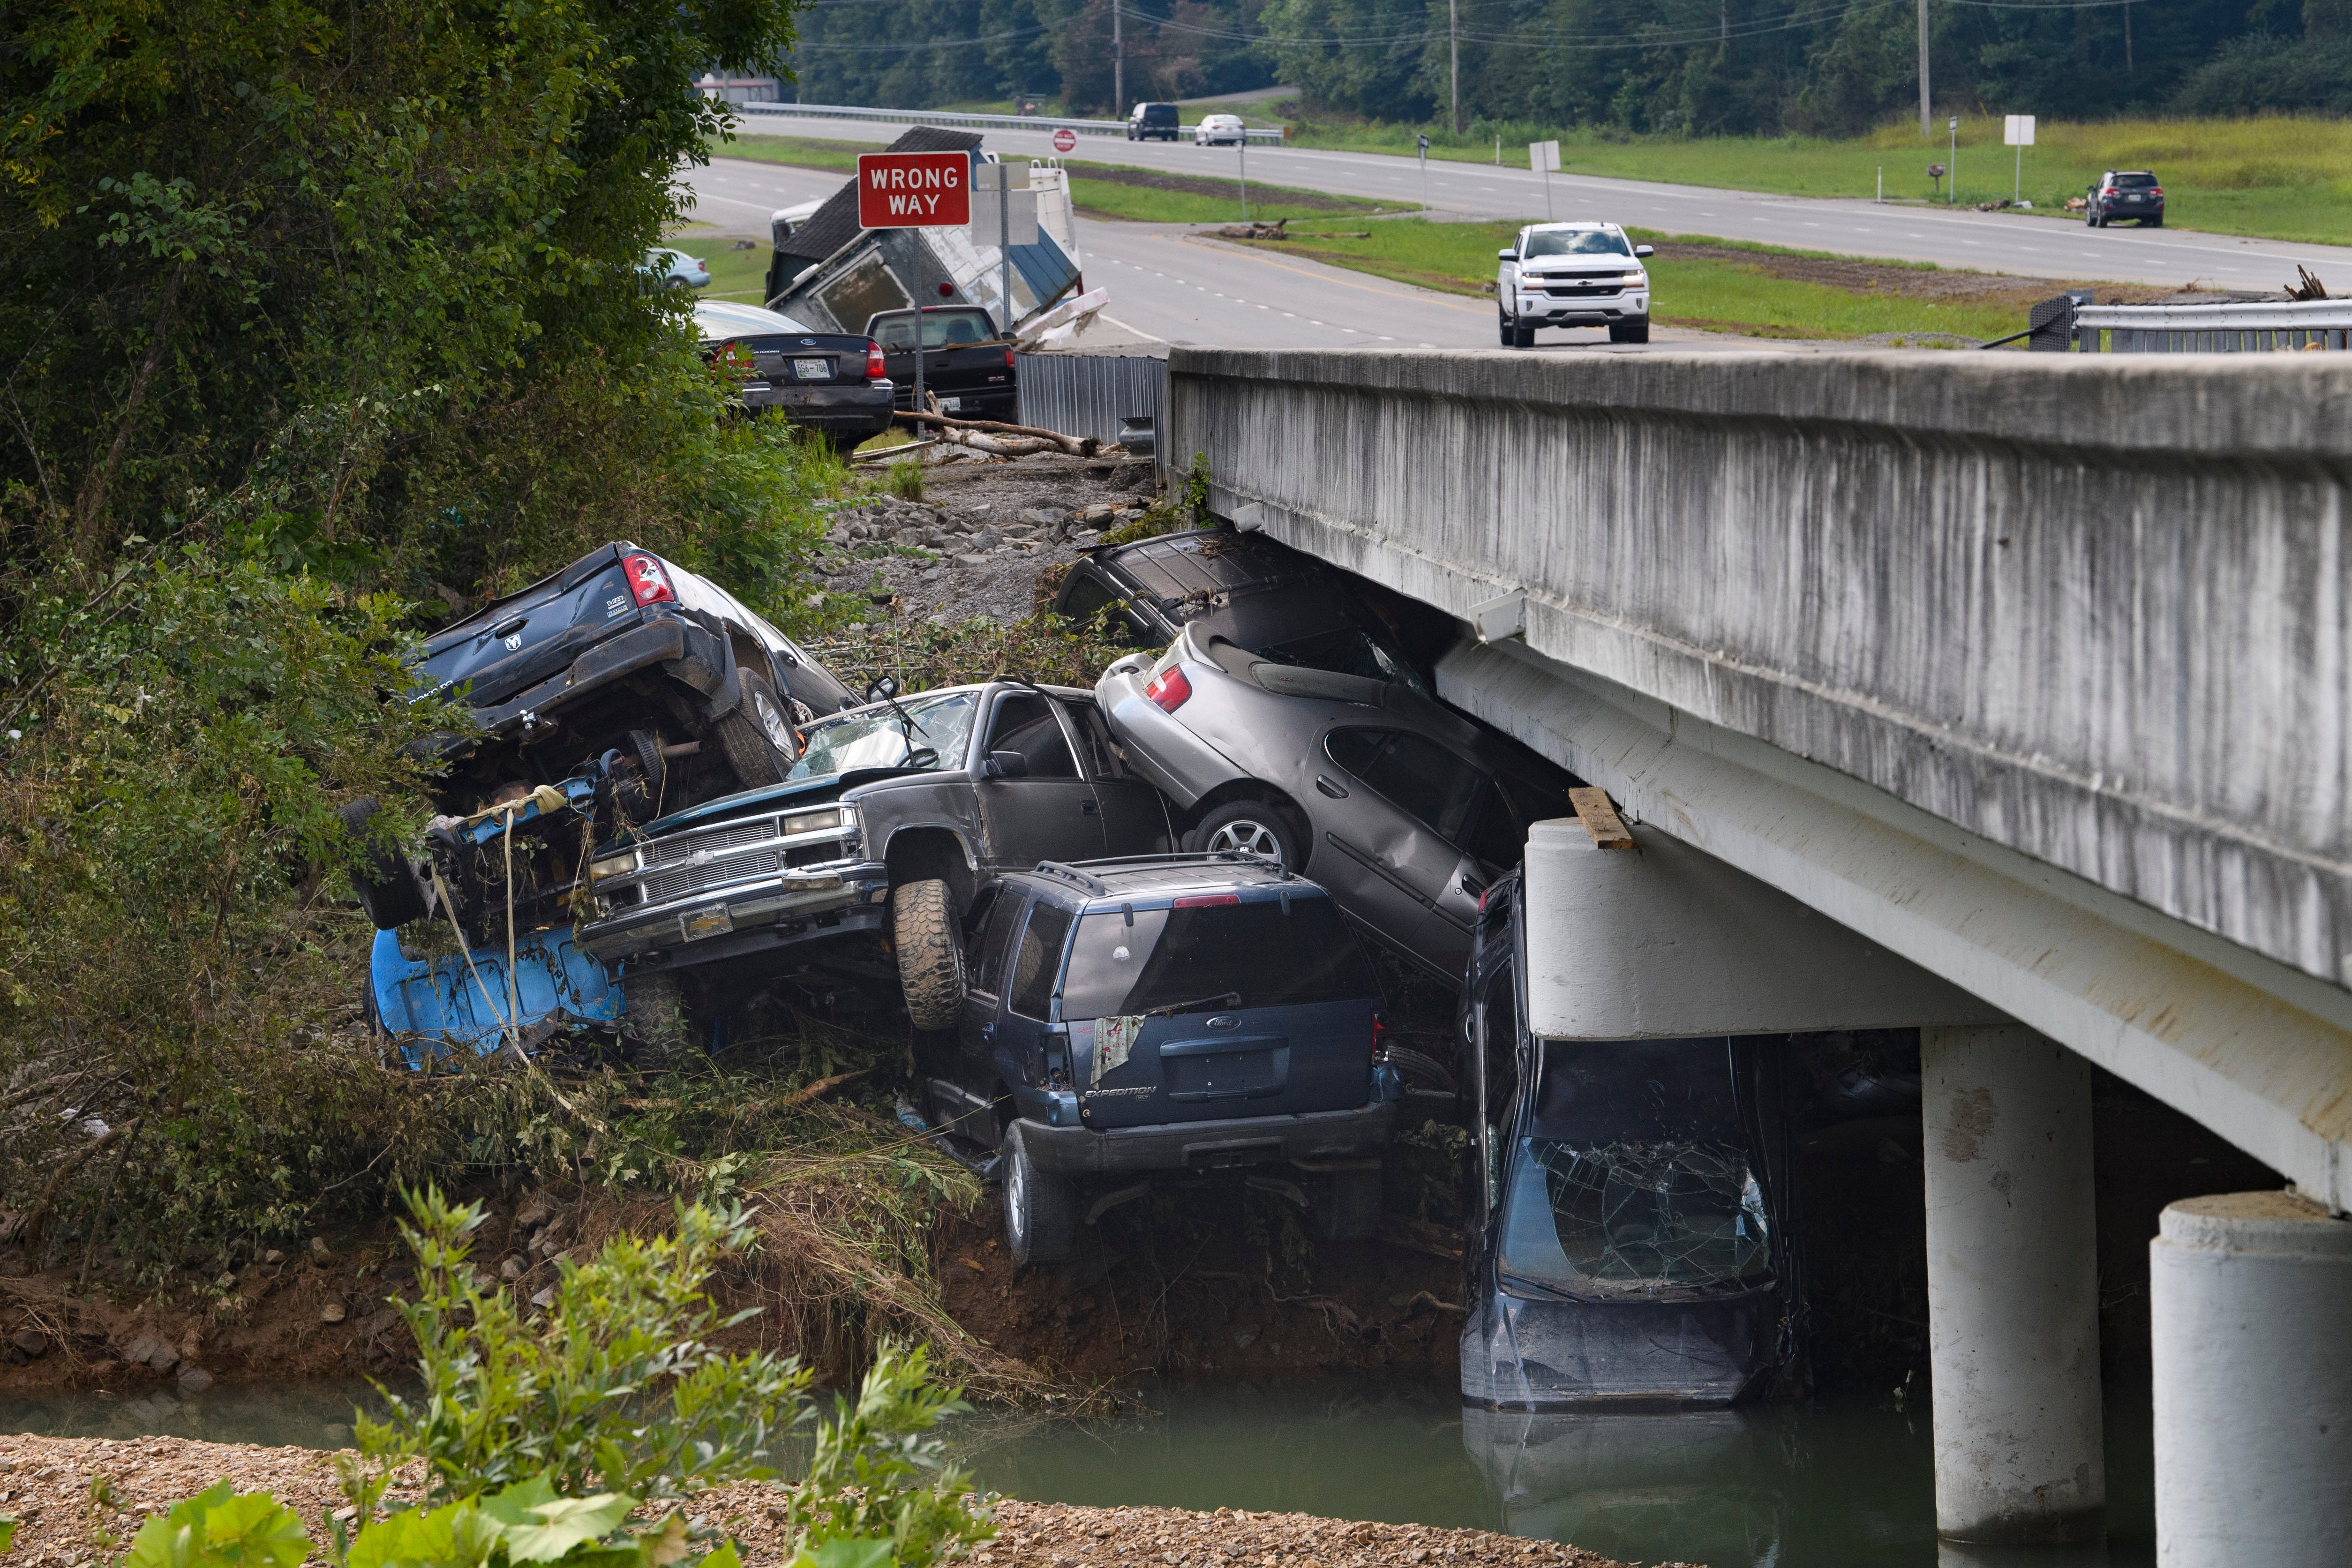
column 2250, row 1299
column 2012, row 1287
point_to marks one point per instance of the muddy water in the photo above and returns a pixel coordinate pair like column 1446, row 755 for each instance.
column 1816, row 1486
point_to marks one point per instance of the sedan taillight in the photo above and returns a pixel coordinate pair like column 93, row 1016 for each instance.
column 648, row 583
column 874, row 370
column 1169, row 689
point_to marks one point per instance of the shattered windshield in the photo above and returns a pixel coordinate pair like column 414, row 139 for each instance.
column 1347, row 651
column 1215, row 952
column 1633, row 1179
column 876, row 738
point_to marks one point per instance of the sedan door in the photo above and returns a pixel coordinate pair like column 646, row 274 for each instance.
column 1048, row 812
column 1408, row 810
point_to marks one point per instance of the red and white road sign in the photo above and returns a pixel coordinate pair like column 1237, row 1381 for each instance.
column 1066, row 140
column 913, row 190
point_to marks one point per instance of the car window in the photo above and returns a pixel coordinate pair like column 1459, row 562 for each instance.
column 1025, row 723
column 1348, row 651
column 1574, row 242
column 2135, row 182
column 995, row 943
column 1416, row 775
column 1102, row 755
column 1087, row 595
column 1497, row 839
column 1039, row 959
column 1274, row 953
column 884, row 736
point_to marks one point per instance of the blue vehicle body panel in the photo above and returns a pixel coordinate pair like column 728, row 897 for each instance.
column 437, row 1005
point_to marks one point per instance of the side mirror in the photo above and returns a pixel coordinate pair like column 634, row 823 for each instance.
column 881, row 689
column 1005, row 765
column 1645, row 250
column 1507, row 255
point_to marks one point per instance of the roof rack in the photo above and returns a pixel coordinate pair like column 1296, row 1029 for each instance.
column 1070, row 874
column 1078, row 870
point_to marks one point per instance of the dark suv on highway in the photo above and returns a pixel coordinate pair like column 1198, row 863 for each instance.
column 1173, row 1013
column 2125, row 194
column 1153, row 122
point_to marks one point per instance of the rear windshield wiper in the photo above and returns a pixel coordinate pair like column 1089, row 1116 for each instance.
column 1223, row 999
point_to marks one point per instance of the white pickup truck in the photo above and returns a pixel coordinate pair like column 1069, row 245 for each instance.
column 1572, row 274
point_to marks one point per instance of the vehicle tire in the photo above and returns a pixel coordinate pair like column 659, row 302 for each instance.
column 1348, row 1205
column 1510, row 335
column 930, row 953
column 1637, row 330
column 1251, row 826
column 387, row 883
column 2090, row 219
column 655, row 1018
column 1040, row 1211
column 2155, row 223
column 1524, row 335
column 757, row 736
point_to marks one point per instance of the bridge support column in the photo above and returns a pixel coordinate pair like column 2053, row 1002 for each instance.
column 2013, row 1289
column 2249, row 1295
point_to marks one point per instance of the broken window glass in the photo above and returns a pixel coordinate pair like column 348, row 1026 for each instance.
column 1632, row 1176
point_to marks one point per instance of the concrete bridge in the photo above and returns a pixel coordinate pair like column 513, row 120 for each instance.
column 2035, row 670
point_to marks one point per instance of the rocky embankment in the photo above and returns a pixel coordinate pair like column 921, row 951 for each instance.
column 46, row 1481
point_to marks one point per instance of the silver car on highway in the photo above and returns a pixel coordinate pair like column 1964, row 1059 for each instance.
column 1403, row 808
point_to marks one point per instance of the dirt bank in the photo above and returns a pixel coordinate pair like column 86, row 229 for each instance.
column 46, row 1481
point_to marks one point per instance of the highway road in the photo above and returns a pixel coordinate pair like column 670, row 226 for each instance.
column 1168, row 285
column 1990, row 242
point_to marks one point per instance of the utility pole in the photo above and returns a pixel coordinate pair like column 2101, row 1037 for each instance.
column 1119, row 62
column 1454, row 55
column 1923, row 95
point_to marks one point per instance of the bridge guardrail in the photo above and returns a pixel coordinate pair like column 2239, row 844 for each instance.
column 2261, row 326
column 970, row 122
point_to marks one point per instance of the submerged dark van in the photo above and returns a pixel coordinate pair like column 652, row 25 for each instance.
column 1168, row 1013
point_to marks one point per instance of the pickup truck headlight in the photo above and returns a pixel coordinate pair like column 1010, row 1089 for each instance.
column 1635, row 279
column 832, row 817
column 621, row 864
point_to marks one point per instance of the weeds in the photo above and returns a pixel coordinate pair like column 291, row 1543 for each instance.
column 906, row 481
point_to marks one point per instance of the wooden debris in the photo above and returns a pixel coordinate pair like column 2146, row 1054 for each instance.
column 1599, row 818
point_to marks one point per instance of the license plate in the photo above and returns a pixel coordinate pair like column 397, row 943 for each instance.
column 813, row 370
column 951, row 404
column 710, row 923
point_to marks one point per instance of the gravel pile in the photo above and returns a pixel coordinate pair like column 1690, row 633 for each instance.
column 45, row 1482
column 974, row 546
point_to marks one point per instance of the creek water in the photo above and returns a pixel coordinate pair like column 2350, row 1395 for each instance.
column 1820, row 1485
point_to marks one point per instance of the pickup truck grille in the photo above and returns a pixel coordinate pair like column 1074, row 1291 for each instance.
column 719, row 841
column 1583, row 290
column 677, row 884
column 730, row 864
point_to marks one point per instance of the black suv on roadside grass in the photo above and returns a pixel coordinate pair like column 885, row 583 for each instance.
column 1171, row 1013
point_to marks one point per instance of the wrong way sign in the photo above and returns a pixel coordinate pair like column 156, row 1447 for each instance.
column 913, row 190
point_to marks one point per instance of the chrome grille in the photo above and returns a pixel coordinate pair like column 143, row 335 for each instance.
column 718, row 840
column 663, row 886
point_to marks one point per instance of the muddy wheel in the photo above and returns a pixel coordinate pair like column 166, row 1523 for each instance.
column 930, row 955
column 757, row 736
column 1347, row 1205
column 1040, row 1213
column 657, row 1019
column 1251, row 827
column 386, row 883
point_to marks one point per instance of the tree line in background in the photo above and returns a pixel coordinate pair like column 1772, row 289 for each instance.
column 1696, row 68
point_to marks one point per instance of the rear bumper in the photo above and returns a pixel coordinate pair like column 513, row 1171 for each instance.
column 860, row 410
column 1206, row 1145
column 659, row 642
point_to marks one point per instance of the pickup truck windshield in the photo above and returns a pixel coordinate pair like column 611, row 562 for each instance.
column 1574, row 242
column 942, row 330
column 1203, row 953
column 1634, row 1182
column 875, row 738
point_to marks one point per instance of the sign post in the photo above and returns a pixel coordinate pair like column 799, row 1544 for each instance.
column 2017, row 130
column 915, row 191
column 1015, row 223
column 1952, row 162
column 1544, row 157
column 1424, row 140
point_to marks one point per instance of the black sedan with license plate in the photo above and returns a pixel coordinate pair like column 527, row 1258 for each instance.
column 834, row 382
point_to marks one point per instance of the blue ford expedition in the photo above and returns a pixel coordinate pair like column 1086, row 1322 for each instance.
column 1168, row 1013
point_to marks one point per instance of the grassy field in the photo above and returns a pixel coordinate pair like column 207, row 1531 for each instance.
column 1102, row 190
column 1719, row 285
column 2278, row 178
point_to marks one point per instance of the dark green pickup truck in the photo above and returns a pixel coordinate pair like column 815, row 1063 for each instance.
column 967, row 364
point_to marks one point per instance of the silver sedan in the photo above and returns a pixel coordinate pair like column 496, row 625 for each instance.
column 1403, row 808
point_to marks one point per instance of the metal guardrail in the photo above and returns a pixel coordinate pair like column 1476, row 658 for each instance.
column 1091, row 394
column 2260, row 326
column 970, row 122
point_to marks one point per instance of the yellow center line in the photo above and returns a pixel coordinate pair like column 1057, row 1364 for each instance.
column 1426, row 296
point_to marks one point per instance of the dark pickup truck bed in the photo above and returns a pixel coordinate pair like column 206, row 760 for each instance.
column 966, row 365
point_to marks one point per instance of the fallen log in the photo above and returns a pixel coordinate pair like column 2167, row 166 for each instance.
column 1075, row 446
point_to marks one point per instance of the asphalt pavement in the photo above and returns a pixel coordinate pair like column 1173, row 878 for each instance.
column 1169, row 285
column 2044, row 246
